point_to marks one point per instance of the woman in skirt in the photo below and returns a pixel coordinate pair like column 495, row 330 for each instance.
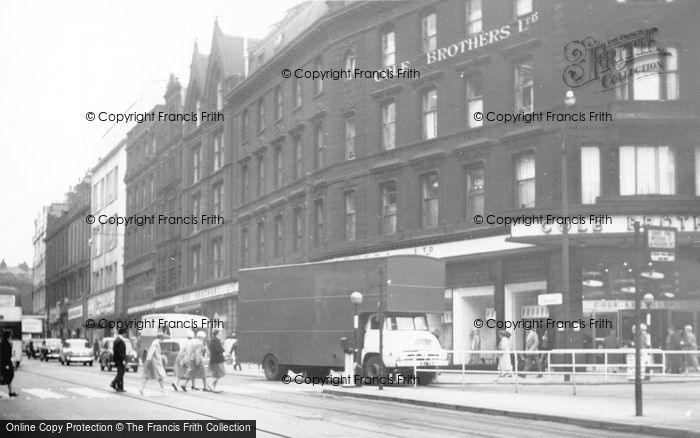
column 182, row 370
column 216, row 358
column 505, row 367
column 196, row 360
column 153, row 368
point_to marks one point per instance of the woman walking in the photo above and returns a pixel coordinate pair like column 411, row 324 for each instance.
column 196, row 361
column 153, row 367
column 7, row 370
column 182, row 370
column 504, row 364
column 216, row 359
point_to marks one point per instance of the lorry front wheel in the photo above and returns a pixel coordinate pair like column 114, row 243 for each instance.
column 372, row 367
column 272, row 367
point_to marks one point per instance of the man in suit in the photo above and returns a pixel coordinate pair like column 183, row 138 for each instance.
column 119, row 357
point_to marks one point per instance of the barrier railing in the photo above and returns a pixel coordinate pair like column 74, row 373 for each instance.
column 575, row 362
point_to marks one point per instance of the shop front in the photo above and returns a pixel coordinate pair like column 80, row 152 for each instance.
column 75, row 327
column 216, row 303
column 101, row 306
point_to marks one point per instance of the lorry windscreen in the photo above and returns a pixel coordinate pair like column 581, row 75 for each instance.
column 408, row 323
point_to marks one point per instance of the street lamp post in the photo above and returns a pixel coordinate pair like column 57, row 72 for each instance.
column 637, row 322
column 569, row 101
column 356, row 299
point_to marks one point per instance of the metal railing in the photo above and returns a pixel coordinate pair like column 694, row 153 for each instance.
column 570, row 363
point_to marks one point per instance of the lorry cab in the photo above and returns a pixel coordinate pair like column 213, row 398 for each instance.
column 408, row 342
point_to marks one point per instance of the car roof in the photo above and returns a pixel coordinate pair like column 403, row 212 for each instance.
column 76, row 339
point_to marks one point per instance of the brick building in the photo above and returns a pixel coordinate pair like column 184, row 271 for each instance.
column 351, row 168
column 68, row 263
column 308, row 170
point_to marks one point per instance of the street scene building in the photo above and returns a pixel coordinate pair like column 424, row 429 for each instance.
column 106, row 298
column 459, row 190
column 68, row 264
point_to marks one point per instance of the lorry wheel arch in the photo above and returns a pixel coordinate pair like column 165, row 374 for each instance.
column 371, row 366
column 272, row 367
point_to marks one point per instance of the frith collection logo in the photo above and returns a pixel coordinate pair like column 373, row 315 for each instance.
column 615, row 63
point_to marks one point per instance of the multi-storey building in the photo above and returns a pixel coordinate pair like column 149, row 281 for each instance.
column 68, row 263
column 194, row 271
column 106, row 299
column 39, row 263
column 342, row 168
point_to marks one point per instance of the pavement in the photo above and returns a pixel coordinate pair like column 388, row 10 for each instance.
column 671, row 407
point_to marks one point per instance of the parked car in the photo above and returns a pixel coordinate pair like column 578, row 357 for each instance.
column 49, row 349
column 76, row 350
column 169, row 349
column 107, row 361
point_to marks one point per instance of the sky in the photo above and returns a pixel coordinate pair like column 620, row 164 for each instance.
column 64, row 58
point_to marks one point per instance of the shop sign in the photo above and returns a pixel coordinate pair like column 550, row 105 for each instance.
column 200, row 295
column 102, row 304
column 534, row 312
column 598, row 225
column 75, row 312
column 616, row 305
column 550, row 299
column 32, row 325
column 7, row 301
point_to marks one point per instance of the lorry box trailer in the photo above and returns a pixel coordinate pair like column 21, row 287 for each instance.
column 293, row 317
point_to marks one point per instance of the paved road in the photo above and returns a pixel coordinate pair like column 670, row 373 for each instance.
column 52, row 391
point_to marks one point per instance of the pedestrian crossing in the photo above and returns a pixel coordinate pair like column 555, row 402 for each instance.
column 84, row 392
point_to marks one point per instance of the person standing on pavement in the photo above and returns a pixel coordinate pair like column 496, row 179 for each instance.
column 119, row 357
column 532, row 343
column 7, row 370
column 216, row 358
column 233, row 352
column 153, row 366
column 689, row 342
column 673, row 343
column 504, row 360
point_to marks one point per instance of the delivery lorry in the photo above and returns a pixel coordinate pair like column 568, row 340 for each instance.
column 297, row 317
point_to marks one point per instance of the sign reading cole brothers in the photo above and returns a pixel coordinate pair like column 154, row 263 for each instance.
column 616, row 62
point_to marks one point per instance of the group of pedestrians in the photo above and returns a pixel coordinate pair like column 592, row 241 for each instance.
column 189, row 363
column 682, row 339
column 532, row 360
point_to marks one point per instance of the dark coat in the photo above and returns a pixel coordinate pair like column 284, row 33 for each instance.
column 216, row 351
column 5, row 352
column 119, row 351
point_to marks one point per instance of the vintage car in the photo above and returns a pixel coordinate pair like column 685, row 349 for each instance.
column 49, row 348
column 106, row 360
column 75, row 350
column 169, row 349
